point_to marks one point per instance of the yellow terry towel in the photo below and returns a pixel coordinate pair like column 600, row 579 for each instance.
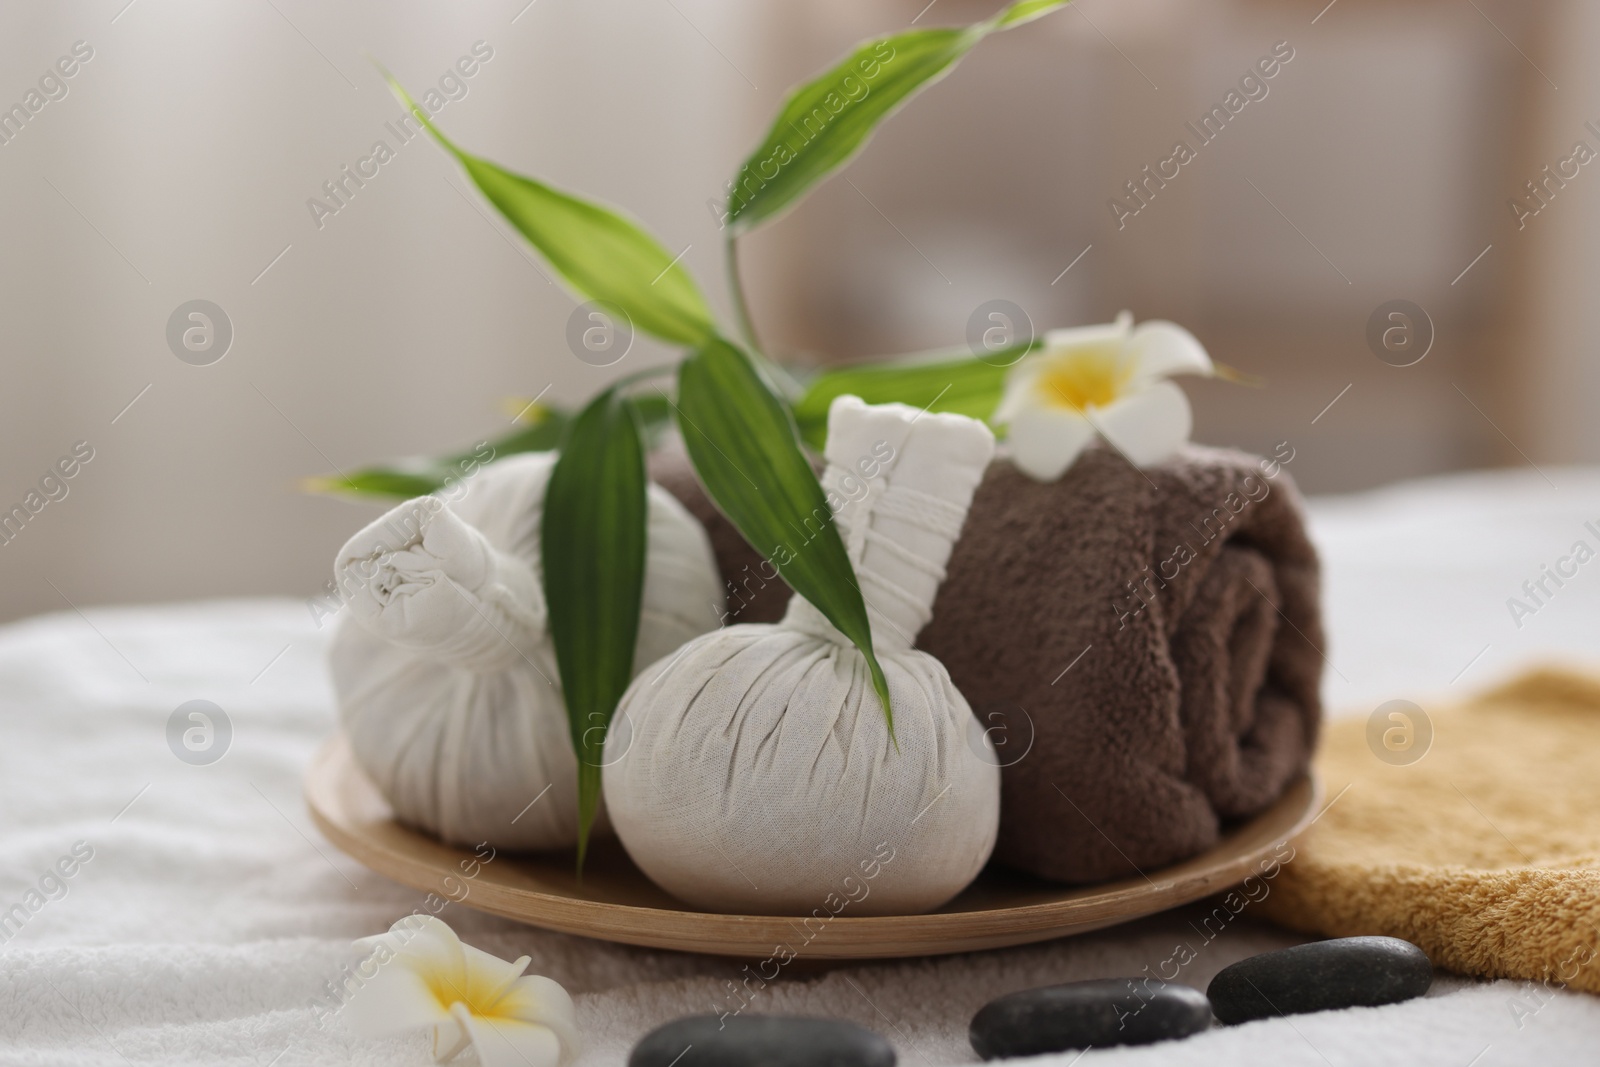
column 1485, row 852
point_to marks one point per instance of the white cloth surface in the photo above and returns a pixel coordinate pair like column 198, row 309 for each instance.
column 212, row 912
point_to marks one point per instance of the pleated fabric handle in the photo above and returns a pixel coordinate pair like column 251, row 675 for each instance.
column 899, row 482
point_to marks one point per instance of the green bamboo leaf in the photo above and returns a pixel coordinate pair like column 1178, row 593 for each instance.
column 1026, row 11
column 940, row 382
column 601, row 253
column 654, row 412
column 653, row 409
column 829, row 119
column 742, row 443
column 408, row 478
column 592, row 539
column 386, row 483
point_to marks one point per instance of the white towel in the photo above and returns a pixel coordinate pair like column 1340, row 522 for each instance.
column 212, row 912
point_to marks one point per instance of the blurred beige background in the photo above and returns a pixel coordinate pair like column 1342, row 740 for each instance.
column 178, row 163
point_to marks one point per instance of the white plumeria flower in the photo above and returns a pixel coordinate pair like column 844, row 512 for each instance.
column 1109, row 380
column 425, row 977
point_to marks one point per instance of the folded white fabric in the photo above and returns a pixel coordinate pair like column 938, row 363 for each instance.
column 761, row 775
column 445, row 591
column 444, row 668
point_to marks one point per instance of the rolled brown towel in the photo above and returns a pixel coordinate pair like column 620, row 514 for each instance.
column 1157, row 632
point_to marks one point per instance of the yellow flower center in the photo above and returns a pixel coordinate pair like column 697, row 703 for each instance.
column 1081, row 378
column 450, row 991
column 475, row 990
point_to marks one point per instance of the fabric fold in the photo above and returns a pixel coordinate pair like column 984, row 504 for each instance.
column 423, row 578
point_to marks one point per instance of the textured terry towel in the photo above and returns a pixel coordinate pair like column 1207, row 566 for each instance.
column 1485, row 852
column 1149, row 639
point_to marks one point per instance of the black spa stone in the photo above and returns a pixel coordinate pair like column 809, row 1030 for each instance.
column 1343, row 973
column 1098, row 1013
column 768, row 1040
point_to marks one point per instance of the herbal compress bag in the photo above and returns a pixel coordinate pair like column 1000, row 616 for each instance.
column 753, row 770
column 443, row 665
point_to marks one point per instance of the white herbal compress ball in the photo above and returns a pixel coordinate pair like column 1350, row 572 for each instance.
column 444, row 668
column 759, row 775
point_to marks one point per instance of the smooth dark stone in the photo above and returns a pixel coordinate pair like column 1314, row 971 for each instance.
column 1344, row 973
column 1100, row 1012
column 765, row 1040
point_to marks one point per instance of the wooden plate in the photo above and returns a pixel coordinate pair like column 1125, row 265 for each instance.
column 617, row 902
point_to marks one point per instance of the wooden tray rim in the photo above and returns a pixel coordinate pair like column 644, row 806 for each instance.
column 1078, row 909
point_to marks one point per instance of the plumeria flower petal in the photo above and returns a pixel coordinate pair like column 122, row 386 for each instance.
column 1160, row 349
column 1044, row 442
column 507, row 1042
column 1147, row 426
column 536, row 999
column 1113, row 334
column 423, row 977
column 1109, row 380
